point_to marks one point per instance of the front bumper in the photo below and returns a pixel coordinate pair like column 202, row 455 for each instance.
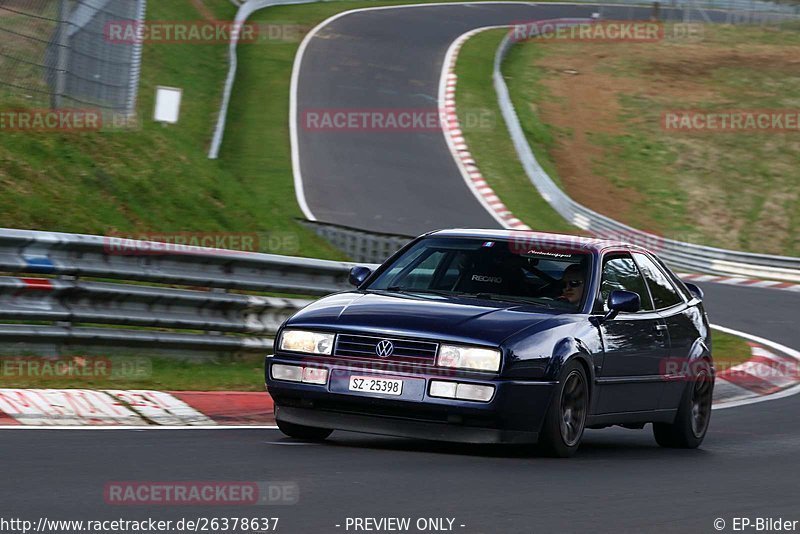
column 513, row 415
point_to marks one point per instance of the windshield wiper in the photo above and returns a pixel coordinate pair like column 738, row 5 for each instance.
column 486, row 296
column 398, row 289
column 509, row 298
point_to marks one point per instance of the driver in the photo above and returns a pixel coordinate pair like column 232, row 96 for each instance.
column 573, row 281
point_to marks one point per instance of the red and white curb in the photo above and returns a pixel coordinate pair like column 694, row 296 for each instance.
column 133, row 408
column 772, row 372
column 454, row 137
column 765, row 373
column 739, row 281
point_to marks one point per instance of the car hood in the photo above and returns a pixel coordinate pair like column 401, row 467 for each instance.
column 429, row 316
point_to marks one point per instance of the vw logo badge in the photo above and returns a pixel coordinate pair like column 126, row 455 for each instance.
column 384, row 348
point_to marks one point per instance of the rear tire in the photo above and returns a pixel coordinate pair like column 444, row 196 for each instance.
column 694, row 413
column 307, row 433
column 565, row 420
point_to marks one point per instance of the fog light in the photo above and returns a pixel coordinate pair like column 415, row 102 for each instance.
column 292, row 373
column 313, row 375
column 474, row 392
column 443, row 389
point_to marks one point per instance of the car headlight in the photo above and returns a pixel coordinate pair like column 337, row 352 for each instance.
column 305, row 341
column 473, row 358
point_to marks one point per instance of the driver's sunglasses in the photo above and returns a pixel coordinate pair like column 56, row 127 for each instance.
column 574, row 283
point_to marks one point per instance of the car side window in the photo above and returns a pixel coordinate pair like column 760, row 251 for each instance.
column 620, row 272
column 664, row 293
column 677, row 282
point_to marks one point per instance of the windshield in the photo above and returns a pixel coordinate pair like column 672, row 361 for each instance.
column 490, row 269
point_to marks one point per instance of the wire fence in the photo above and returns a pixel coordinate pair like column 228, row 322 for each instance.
column 734, row 11
column 56, row 53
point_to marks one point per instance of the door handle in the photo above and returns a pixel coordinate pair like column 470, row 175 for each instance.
column 660, row 329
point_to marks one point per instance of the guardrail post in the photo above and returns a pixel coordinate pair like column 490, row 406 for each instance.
column 62, row 54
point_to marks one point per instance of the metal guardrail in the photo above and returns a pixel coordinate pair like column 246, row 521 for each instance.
column 359, row 245
column 365, row 247
column 76, row 301
column 747, row 10
column 205, row 317
column 25, row 251
column 245, row 10
column 66, row 310
column 688, row 256
column 59, row 52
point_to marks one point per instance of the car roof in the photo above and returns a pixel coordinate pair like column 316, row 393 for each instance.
column 589, row 244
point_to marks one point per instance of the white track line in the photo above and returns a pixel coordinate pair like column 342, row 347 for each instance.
column 131, row 427
column 794, row 390
column 299, row 187
column 301, row 200
column 743, row 402
column 777, row 346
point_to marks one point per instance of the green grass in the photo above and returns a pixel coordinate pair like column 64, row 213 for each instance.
column 235, row 373
column 241, row 373
column 728, row 350
column 260, row 105
column 488, row 140
column 736, row 190
column 157, row 178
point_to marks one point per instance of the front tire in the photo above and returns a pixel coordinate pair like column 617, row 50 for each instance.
column 565, row 420
column 694, row 413
column 307, row 433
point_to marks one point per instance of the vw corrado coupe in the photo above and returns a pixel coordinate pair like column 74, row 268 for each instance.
column 484, row 336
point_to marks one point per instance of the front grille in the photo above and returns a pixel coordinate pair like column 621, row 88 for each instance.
column 357, row 346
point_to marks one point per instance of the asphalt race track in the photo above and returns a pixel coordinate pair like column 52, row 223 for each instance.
column 396, row 182
column 393, row 182
column 620, row 481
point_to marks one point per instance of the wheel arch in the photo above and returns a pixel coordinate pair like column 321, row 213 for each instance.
column 700, row 351
column 573, row 349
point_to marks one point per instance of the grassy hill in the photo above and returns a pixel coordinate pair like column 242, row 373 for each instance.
column 592, row 111
column 155, row 179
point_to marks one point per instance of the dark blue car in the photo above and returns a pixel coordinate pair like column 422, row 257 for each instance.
column 484, row 336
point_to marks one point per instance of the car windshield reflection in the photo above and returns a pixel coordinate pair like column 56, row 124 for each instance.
column 497, row 270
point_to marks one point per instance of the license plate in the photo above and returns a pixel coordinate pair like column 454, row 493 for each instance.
column 368, row 384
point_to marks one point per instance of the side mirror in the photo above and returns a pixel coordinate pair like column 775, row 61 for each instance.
column 622, row 301
column 695, row 290
column 358, row 274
